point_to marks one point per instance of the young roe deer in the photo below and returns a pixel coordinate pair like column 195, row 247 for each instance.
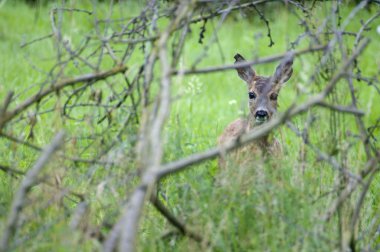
column 263, row 93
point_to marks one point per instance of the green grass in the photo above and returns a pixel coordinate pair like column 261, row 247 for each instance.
column 273, row 205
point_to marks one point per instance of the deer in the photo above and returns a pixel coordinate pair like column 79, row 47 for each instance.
column 263, row 93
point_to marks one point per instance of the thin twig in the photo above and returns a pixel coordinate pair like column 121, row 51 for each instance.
column 93, row 77
column 343, row 109
column 245, row 63
column 179, row 165
column 358, row 207
column 350, row 188
column 127, row 226
column 28, row 181
column 13, row 172
column 173, row 220
column 36, row 40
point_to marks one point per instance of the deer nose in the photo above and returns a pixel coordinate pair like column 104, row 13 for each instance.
column 261, row 114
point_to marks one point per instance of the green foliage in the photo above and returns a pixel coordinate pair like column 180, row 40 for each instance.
column 266, row 205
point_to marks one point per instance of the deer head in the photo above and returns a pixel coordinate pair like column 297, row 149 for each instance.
column 263, row 91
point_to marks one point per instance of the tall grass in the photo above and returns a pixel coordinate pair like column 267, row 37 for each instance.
column 266, row 205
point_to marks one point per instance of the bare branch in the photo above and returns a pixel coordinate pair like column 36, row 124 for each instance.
column 153, row 146
column 343, row 109
column 246, row 63
column 358, row 207
column 369, row 168
column 36, row 40
column 12, row 171
column 179, row 165
column 28, row 181
column 173, row 220
column 58, row 86
column 116, row 124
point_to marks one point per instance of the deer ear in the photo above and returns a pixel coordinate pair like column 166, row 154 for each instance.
column 245, row 73
column 284, row 70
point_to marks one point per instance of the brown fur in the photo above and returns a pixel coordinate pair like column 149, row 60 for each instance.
column 265, row 91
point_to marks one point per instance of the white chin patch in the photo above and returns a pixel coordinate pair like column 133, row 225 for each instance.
column 260, row 120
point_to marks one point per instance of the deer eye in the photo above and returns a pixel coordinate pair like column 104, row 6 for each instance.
column 273, row 96
column 252, row 95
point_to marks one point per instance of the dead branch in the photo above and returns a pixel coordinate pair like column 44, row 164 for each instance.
column 7, row 101
column 28, row 181
column 19, row 141
column 369, row 168
column 153, row 146
column 324, row 156
column 246, row 63
column 36, row 40
column 93, row 77
column 133, row 212
column 142, row 105
column 13, row 172
column 357, row 209
column 173, row 220
column 223, row 11
column 343, row 109
column 179, row 165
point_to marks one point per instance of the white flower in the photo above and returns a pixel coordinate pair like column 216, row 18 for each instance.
column 232, row 102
